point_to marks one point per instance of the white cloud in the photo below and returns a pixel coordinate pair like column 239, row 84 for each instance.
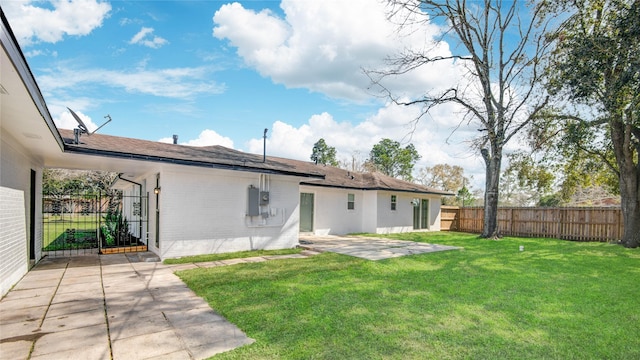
column 33, row 53
column 66, row 121
column 126, row 21
column 248, row 30
column 140, row 35
column 206, row 138
column 41, row 52
column 145, row 37
column 324, row 45
column 285, row 140
column 171, row 82
column 32, row 24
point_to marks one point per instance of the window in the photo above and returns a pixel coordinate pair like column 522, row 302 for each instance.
column 351, row 201
column 393, row 202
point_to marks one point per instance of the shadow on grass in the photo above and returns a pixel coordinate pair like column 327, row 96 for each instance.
column 76, row 239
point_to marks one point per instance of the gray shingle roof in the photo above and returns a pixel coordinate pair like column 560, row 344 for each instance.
column 225, row 158
column 341, row 178
column 208, row 156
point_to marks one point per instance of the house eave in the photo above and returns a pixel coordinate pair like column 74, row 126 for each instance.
column 202, row 164
column 25, row 120
column 378, row 189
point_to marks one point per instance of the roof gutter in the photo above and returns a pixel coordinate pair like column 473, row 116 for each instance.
column 128, row 156
column 139, row 194
column 379, row 189
column 127, row 180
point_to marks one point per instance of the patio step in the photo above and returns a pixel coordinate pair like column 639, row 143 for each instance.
column 143, row 256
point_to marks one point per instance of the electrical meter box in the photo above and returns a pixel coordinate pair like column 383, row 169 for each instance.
column 264, row 198
column 253, row 201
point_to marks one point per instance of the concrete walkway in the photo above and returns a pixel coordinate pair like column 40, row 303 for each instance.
column 370, row 248
column 112, row 307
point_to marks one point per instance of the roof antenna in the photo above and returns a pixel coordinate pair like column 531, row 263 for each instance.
column 82, row 128
column 264, row 146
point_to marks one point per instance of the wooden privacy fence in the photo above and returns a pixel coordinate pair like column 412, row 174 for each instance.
column 580, row 224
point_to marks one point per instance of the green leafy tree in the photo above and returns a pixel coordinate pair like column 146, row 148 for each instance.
column 51, row 184
column 465, row 197
column 580, row 170
column 597, row 68
column 58, row 183
column 324, row 154
column 552, row 200
column 62, row 181
column 391, row 159
column 502, row 46
column 525, row 181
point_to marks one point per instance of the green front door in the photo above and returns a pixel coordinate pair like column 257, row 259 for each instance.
column 306, row 212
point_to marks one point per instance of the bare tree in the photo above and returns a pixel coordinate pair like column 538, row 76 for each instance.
column 501, row 47
column 356, row 163
column 448, row 178
column 443, row 176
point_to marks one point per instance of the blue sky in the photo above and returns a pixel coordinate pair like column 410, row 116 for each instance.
column 218, row 72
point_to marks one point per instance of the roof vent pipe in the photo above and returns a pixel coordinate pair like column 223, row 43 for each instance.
column 175, row 139
column 264, row 146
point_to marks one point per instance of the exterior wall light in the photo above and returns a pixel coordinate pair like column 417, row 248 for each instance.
column 156, row 190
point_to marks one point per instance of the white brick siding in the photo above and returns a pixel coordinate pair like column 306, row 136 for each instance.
column 372, row 212
column 15, row 185
column 434, row 213
column 203, row 211
column 14, row 258
column 394, row 221
column 401, row 220
column 331, row 215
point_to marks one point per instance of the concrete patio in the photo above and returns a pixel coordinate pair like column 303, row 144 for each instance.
column 370, row 248
column 110, row 307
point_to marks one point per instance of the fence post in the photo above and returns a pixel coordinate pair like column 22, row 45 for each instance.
column 511, row 222
column 560, row 230
column 620, row 226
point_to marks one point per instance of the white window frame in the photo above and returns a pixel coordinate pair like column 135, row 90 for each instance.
column 351, row 201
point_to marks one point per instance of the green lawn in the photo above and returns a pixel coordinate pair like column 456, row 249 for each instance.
column 233, row 255
column 55, row 227
column 555, row 300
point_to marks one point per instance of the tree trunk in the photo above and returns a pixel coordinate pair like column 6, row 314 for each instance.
column 493, row 163
column 629, row 176
column 631, row 219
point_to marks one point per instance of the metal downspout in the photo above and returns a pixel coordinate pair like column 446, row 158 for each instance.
column 140, row 195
